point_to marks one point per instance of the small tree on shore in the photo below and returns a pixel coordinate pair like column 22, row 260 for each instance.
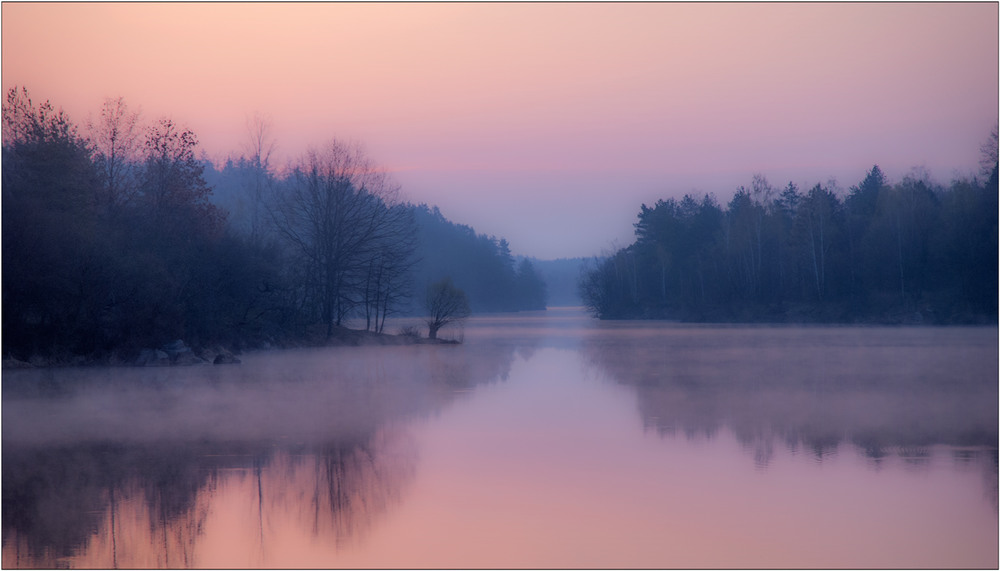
column 445, row 304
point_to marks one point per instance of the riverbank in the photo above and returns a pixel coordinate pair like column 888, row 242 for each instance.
column 797, row 313
column 179, row 353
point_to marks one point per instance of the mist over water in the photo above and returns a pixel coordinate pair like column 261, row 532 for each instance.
column 546, row 439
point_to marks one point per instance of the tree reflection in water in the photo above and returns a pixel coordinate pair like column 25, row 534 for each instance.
column 814, row 389
column 117, row 468
column 293, row 459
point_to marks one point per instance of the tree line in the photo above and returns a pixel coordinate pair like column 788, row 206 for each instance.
column 912, row 251
column 480, row 265
column 118, row 237
column 435, row 248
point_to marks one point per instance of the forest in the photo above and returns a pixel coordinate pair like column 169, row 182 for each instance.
column 118, row 236
column 891, row 253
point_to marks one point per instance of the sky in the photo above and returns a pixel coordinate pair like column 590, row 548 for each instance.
column 547, row 124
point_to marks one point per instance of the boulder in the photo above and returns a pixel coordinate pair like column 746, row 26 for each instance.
column 175, row 347
column 181, row 354
column 225, row 358
column 152, row 358
column 187, row 358
column 218, row 355
column 208, row 353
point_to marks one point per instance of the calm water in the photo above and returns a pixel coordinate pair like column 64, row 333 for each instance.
column 545, row 440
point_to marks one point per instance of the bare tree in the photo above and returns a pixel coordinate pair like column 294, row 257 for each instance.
column 445, row 304
column 116, row 138
column 258, row 147
column 335, row 214
column 259, row 144
column 387, row 279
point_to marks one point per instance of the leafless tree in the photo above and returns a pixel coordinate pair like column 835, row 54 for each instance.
column 335, row 213
column 445, row 304
column 116, row 137
column 258, row 147
column 259, row 144
column 387, row 279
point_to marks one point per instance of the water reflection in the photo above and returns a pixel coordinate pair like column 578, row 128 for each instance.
column 133, row 507
column 118, row 467
column 882, row 391
column 543, row 441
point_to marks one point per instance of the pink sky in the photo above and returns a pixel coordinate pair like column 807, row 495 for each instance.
column 545, row 123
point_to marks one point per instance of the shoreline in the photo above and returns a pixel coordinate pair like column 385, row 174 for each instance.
column 179, row 354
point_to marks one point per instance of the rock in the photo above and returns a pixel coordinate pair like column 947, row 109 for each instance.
column 152, row 358
column 218, row 355
column 187, row 358
column 175, row 347
column 12, row 363
column 225, row 358
column 181, row 354
column 209, row 353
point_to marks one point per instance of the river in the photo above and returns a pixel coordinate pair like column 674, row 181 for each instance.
column 545, row 439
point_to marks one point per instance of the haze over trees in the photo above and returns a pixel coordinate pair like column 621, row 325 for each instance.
column 478, row 264
column 910, row 251
column 561, row 277
column 122, row 238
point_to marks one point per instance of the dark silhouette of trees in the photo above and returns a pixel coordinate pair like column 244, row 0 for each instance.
column 336, row 214
column 259, row 146
column 860, row 208
column 903, row 252
column 167, row 272
column 388, row 273
column 126, row 240
column 817, row 230
column 988, row 156
column 51, row 243
column 529, row 286
column 602, row 290
column 445, row 304
column 173, row 193
column 116, row 137
column 112, row 244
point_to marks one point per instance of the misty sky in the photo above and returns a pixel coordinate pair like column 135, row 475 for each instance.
column 547, row 124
